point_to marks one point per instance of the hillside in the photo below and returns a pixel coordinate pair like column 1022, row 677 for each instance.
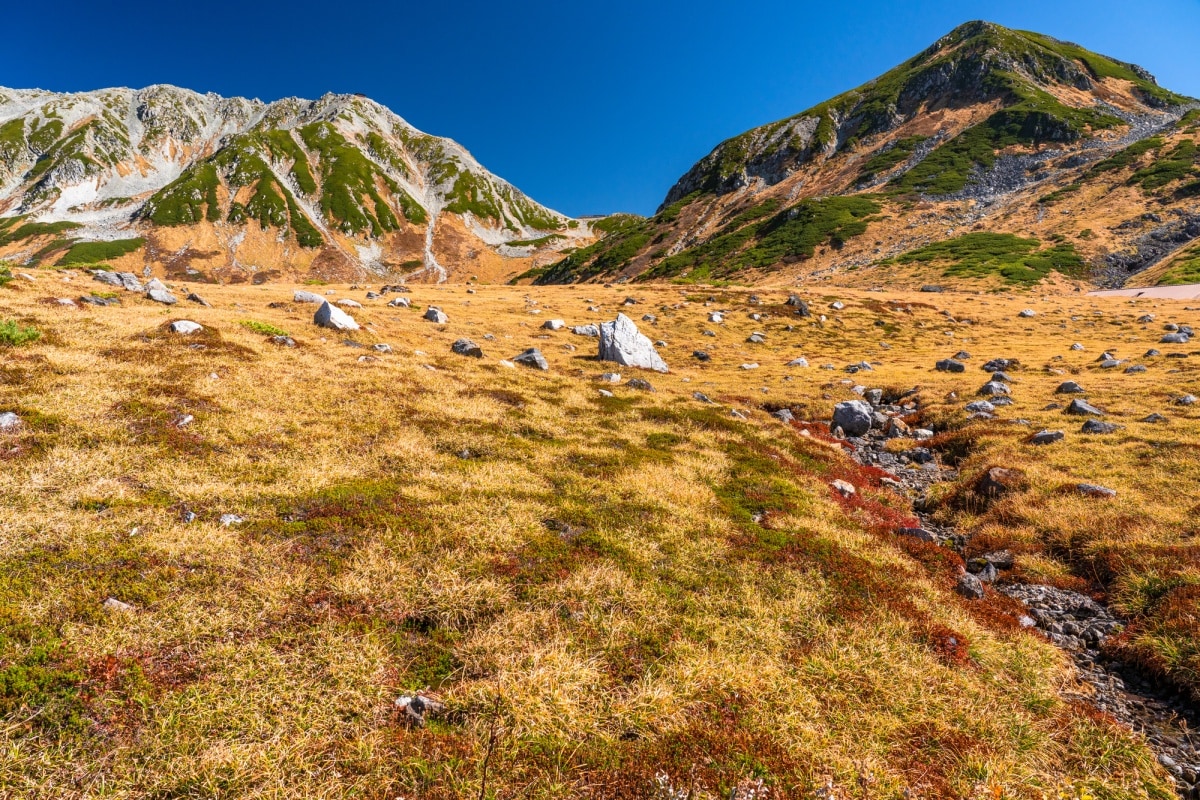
column 991, row 131
column 211, row 188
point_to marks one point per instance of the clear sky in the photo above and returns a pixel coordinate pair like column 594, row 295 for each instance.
column 588, row 107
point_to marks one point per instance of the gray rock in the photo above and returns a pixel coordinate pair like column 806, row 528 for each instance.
column 435, row 314
column 161, row 296
column 716, row 317
column 1081, row 408
column 9, row 421
column 346, row 302
column 283, row 341
column 1187, row 400
column 192, row 297
column 586, row 330
column 400, row 302
column 756, row 338
column 700, row 355
column 873, row 396
column 1047, row 437
column 980, row 407
column 969, row 586
column 330, row 316
column 301, row 296
column 533, row 359
column 993, row 389
column 623, row 343
column 1174, row 338
column 465, row 347
column 950, row 365
column 1095, row 426
column 1154, row 419
column 932, row 288
column 853, row 417
column 382, row 348
column 156, row 285
column 1027, row 313
column 228, row 520
column 638, row 383
column 113, row 604
column 1069, row 387
column 1152, row 353
column 1092, row 490
column 798, row 362
column 554, row 325
column 783, row 415
column 1135, row 369
column 185, row 326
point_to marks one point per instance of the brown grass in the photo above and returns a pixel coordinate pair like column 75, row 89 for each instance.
column 702, row 606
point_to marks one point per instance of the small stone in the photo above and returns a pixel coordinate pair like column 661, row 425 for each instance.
column 1027, row 314
column 970, row 587
column 798, row 362
column 640, row 384
column 9, row 421
column 854, row 417
column 554, row 325
column 1174, row 338
column 400, row 302
column 844, row 488
column 185, row 326
column 700, row 355
column 783, row 415
column 346, row 302
column 1092, row 490
column 950, row 365
column 231, row 519
column 1154, row 419
column 161, row 296
column 283, row 341
column 1047, row 437
column 435, row 314
column 113, row 604
column 533, row 359
column 610, row 377
column 1095, row 426
column 466, row 347
column 382, row 348
column 300, row 296
column 1069, row 387
column 1081, row 408
column 748, row 366
column 1187, row 400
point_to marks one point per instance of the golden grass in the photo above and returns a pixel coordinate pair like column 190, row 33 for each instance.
column 705, row 608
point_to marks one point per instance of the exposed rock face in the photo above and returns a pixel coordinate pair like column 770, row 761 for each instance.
column 623, row 343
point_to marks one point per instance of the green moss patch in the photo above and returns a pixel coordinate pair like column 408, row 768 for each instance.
column 97, row 252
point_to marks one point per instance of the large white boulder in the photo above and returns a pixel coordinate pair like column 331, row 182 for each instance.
column 301, row 296
column 330, row 316
column 622, row 342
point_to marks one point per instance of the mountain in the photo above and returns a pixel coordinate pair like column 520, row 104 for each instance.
column 230, row 189
column 994, row 156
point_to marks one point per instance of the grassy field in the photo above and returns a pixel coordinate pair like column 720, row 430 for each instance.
column 629, row 596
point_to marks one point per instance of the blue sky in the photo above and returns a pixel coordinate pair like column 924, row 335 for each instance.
column 588, row 107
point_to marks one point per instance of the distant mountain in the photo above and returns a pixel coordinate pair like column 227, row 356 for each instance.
column 993, row 156
column 231, row 189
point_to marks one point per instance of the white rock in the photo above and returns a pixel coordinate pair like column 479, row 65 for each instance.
column 554, row 324
column 611, row 377
column 9, row 421
column 346, row 302
column 185, row 326
column 401, row 302
column 113, row 604
column 749, row 366
column 843, row 488
column 623, row 343
column 161, row 296
column 330, row 316
column 435, row 314
column 300, row 296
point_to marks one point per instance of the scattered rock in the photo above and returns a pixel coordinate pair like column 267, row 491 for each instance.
column 161, row 296
column 1081, row 408
column 417, row 707
column 466, row 347
column 853, row 417
column 113, row 604
column 301, row 296
column 586, row 330
column 400, row 302
column 969, row 586
column 1174, row 338
column 533, row 359
column 638, row 383
column 330, row 316
column 1095, row 426
column 185, row 326
column 1092, row 490
column 346, row 302
column 554, row 325
column 623, row 343
column 9, row 422
column 435, row 314
column 1069, row 387
column 844, row 488
column 1027, row 314
column 1047, row 437
column 951, row 365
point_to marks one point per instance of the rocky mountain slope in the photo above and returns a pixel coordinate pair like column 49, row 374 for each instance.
column 201, row 186
column 993, row 156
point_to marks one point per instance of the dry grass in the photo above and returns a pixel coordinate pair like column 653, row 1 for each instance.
column 703, row 609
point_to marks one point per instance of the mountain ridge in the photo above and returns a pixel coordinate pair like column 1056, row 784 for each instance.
column 967, row 131
column 342, row 177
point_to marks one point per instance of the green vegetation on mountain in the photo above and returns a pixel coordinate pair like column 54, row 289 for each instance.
column 282, row 146
column 1185, row 271
column 1012, row 258
column 350, row 197
column 98, row 252
column 890, row 156
column 1181, row 162
column 626, row 235
column 190, row 198
column 10, row 231
column 791, row 235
